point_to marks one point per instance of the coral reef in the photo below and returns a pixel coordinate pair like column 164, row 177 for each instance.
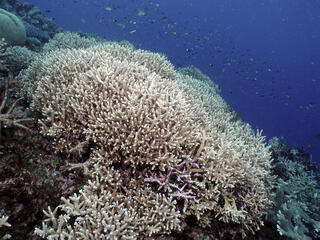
column 234, row 162
column 31, row 178
column 166, row 135
column 296, row 212
column 7, row 118
column 28, row 182
column 68, row 40
column 19, row 58
column 106, row 209
column 133, row 148
column 195, row 73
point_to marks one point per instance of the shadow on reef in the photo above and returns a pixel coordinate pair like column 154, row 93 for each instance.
column 31, row 176
column 31, row 179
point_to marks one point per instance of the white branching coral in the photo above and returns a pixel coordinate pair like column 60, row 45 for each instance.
column 4, row 221
column 237, row 180
column 119, row 105
column 169, row 138
column 68, row 40
column 104, row 209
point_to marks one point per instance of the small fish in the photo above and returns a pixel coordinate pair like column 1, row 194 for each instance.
column 308, row 144
column 120, row 25
column 141, row 12
column 311, row 104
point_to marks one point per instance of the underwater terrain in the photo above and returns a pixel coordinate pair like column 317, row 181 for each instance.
column 143, row 119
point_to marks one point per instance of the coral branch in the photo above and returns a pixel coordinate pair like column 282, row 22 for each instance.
column 177, row 183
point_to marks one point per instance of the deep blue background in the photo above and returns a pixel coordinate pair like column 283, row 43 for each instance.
column 265, row 55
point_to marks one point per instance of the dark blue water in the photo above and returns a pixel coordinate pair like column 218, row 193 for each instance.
column 265, row 55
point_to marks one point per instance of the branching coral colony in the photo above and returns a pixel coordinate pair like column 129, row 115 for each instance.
column 7, row 118
column 162, row 146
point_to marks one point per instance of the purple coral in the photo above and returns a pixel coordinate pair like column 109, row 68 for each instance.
column 177, row 182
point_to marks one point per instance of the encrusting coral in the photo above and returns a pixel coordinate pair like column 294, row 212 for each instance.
column 168, row 137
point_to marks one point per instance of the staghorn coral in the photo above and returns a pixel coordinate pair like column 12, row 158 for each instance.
column 237, row 180
column 195, row 73
column 68, row 40
column 170, row 134
column 178, row 182
column 107, row 209
column 7, row 118
column 4, row 221
column 103, row 59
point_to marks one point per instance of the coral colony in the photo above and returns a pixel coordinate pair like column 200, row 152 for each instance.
column 105, row 141
column 177, row 183
column 160, row 145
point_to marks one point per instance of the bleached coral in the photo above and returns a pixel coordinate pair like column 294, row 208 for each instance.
column 237, row 179
column 107, row 209
column 68, row 40
column 195, row 73
column 123, row 87
column 4, row 221
column 169, row 133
